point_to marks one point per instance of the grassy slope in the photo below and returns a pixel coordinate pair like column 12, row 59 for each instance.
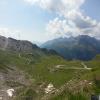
column 41, row 70
column 93, row 76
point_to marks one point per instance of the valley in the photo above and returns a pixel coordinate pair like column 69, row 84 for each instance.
column 49, row 49
column 35, row 76
column 28, row 75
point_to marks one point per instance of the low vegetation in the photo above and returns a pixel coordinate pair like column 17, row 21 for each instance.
column 38, row 71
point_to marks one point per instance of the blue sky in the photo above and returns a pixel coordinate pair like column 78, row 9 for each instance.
column 92, row 8
column 41, row 20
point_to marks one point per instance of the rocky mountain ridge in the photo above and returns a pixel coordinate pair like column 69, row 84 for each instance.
column 16, row 45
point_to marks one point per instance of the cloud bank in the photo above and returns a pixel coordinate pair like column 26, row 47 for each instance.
column 70, row 20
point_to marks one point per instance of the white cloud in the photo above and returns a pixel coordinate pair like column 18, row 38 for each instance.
column 74, row 21
column 60, row 27
column 23, row 34
column 59, row 6
column 10, row 33
column 80, row 20
column 83, row 25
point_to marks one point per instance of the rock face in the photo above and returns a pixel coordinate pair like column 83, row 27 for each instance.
column 2, row 42
column 16, row 45
column 11, row 79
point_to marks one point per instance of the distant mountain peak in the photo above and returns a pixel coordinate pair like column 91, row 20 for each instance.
column 82, row 47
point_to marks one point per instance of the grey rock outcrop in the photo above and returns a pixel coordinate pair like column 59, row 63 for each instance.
column 16, row 45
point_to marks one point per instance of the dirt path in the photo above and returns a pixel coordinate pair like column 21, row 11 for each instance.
column 85, row 66
column 77, row 68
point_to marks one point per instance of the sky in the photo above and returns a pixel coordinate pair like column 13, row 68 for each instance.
column 42, row 20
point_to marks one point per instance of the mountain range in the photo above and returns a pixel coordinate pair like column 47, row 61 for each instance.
column 32, row 73
column 82, row 47
column 10, row 44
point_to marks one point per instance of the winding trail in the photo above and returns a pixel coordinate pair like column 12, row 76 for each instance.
column 77, row 68
column 85, row 66
column 71, row 85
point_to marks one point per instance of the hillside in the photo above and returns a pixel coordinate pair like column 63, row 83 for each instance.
column 82, row 47
column 44, row 75
column 22, row 46
column 16, row 45
column 29, row 76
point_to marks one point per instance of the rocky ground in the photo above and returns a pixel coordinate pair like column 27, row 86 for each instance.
column 10, row 80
